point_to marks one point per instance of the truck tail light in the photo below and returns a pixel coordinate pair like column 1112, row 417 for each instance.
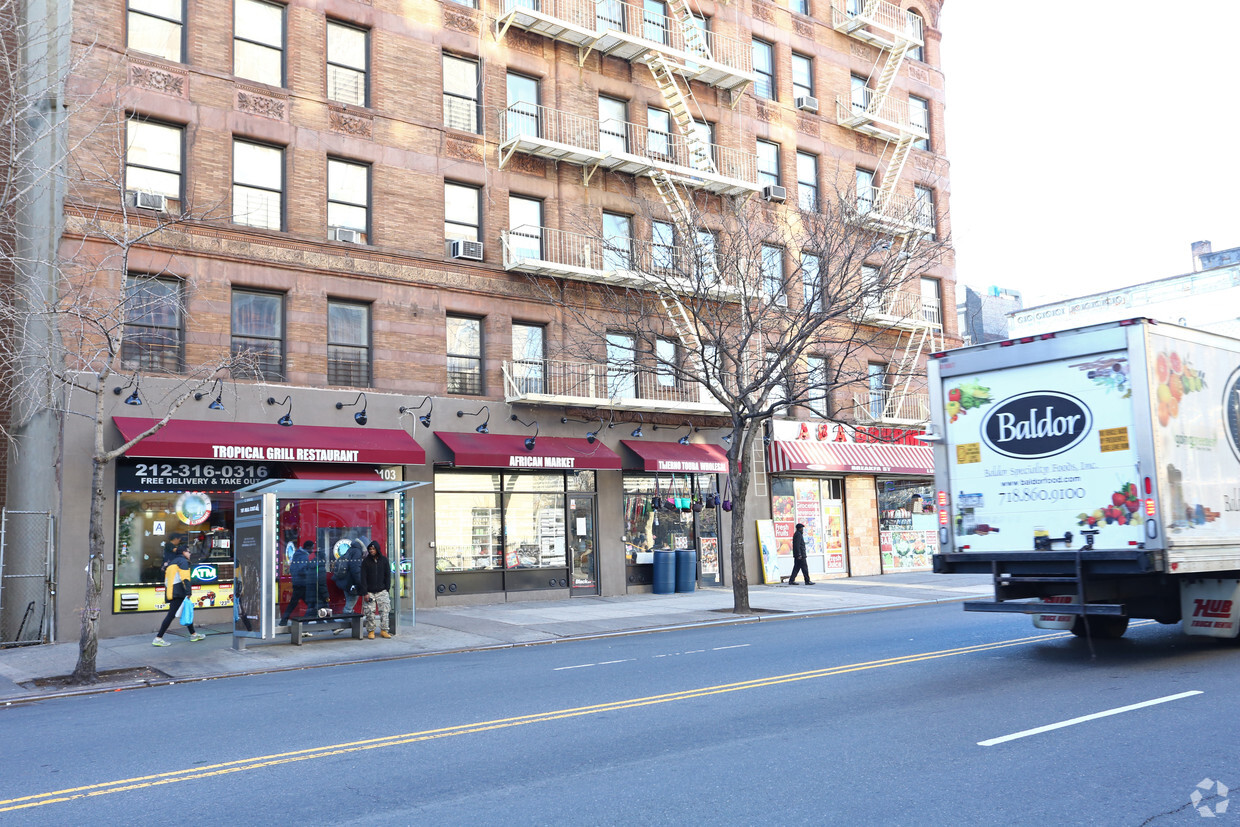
column 1149, row 507
column 1149, row 487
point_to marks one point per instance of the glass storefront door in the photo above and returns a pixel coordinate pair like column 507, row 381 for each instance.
column 584, row 574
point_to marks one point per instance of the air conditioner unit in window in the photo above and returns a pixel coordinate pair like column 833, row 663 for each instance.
column 807, row 103
column 471, row 250
column 344, row 234
column 774, row 193
column 148, row 201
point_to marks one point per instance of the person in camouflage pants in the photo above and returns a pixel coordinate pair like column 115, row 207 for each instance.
column 376, row 581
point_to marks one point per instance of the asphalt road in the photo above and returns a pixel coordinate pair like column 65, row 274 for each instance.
column 872, row 718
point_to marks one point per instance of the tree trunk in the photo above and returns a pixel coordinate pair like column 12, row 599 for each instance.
column 88, row 644
column 738, row 478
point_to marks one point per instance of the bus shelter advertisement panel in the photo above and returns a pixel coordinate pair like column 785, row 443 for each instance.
column 1195, row 397
column 1043, row 450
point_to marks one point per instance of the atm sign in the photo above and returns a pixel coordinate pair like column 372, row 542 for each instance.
column 205, row 573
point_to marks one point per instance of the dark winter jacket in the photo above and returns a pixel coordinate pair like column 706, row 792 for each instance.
column 376, row 574
column 798, row 545
column 299, row 568
column 350, row 581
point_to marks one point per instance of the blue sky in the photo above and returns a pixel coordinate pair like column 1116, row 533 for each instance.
column 1090, row 142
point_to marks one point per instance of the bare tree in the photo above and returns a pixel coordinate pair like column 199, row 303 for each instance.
column 768, row 309
column 83, row 256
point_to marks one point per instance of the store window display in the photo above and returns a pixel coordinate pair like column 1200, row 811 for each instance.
column 670, row 511
column 818, row 504
column 907, row 525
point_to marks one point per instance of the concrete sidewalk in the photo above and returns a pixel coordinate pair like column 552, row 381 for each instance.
column 463, row 628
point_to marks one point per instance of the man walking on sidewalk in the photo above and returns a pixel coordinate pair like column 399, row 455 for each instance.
column 798, row 556
column 376, row 580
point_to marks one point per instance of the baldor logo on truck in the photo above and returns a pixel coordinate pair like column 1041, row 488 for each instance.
column 1036, row 424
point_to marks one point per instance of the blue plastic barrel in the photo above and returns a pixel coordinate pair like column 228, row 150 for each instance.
column 686, row 570
column 664, row 571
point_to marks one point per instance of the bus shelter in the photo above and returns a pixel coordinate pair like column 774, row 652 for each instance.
column 316, row 522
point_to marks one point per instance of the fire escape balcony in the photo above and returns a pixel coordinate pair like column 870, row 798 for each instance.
column 903, row 311
column 618, row 262
column 632, row 32
column 622, row 147
column 886, row 407
column 877, row 22
column 898, row 215
column 599, row 385
column 879, row 116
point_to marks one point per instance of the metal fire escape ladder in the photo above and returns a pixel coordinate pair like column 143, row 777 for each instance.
column 900, row 152
column 678, row 101
column 920, row 338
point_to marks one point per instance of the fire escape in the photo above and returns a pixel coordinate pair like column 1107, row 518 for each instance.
column 872, row 110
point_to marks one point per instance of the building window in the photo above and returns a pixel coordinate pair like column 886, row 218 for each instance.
column 802, row 76
column 816, row 396
column 347, row 62
column 807, row 182
column 348, row 344
column 153, row 153
column 609, row 14
column 764, row 68
column 464, row 355
column 153, row 338
column 667, row 360
column 865, row 190
column 472, row 4
column 522, row 116
column 258, row 185
column 799, row 6
column 654, row 21
column 461, row 90
column 663, row 241
column 258, row 41
column 461, row 212
column 525, row 227
column 773, row 274
column 612, row 126
column 927, row 219
column 768, row 163
column 872, row 290
column 258, row 328
column 860, row 95
column 916, row 29
column 617, row 241
column 156, row 27
column 931, row 302
column 919, row 118
column 621, row 367
column 529, row 357
column 348, row 196
column 659, row 132
column 811, row 282
column 707, row 256
column 705, row 132
column 877, row 380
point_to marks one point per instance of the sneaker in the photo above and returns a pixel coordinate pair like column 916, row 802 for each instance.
column 159, row 641
column 197, row 636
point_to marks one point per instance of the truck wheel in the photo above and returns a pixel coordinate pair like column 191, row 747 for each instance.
column 1103, row 627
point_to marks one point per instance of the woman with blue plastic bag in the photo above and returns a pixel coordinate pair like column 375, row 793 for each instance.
column 177, row 591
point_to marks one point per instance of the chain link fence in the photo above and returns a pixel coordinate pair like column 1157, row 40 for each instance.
column 27, row 583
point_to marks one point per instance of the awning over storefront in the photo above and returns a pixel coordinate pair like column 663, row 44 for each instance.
column 508, row 451
column 672, row 456
column 327, row 472
column 202, row 439
column 850, row 457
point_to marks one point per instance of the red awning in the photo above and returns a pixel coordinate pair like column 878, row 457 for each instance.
column 344, row 472
column 508, row 451
column 694, row 458
column 205, row 439
column 851, row 457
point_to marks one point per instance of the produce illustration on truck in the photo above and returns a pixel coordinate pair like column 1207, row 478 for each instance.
column 964, row 398
column 1121, row 510
column 1175, row 378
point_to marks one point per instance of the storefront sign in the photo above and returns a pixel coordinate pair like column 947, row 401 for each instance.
column 193, row 508
column 194, row 474
column 529, row 461
column 686, row 466
column 820, row 431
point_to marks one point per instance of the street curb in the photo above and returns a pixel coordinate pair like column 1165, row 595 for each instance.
column 735, row 620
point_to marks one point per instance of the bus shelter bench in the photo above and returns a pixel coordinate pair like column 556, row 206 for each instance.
column 344, row 620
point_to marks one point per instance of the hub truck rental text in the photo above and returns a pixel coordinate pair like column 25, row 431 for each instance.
column 1095, row 473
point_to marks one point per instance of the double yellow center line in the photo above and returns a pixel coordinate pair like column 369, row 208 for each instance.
column 245, row 765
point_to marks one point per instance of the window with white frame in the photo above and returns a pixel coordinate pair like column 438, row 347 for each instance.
column 258, row 185
column 659, row 131
column 157, row 28
column 347, row 63
column 768, row 163
column 860, row 94
column 927, row 219
column 811, row 282
column 707, row 256
column 522, row 116
column 663, row 244
column 613, row 133
column 666, row 354
column 816, row 395
column 464, row 354
column 916, row 28
column 348, row 196
column 525, row 218
column 258, row 41
column 462, row 217
column 153, row 157
column 764, row 68
column 773, row 274
column 617, row 241
column 807, row 182
column 621, row 367
column 802, row 76
column 919, row 118
column 461, row 92
column 348, row 343
column 529, row 355
column 865, row 190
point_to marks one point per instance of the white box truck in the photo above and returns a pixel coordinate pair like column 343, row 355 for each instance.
column 1095, row 473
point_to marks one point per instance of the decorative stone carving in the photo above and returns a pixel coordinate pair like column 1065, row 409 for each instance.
column 867, row 145
column 461, row 21
column 919, row 74
column 267, row 107
column 802, row 27
column 764, row 110
column 465, row 150
column 807, row 124
column 157, row 80
column 359, row 126
column 860, row 50
column 527, row 164
column 764, row 11
column 523, row 42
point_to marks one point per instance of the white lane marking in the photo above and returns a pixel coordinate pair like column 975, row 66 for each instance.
column 1026, row 733
column 737, row 646
column 578, row 666
column 622, row 660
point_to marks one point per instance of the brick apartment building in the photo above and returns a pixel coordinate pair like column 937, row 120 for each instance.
column 375, row 185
